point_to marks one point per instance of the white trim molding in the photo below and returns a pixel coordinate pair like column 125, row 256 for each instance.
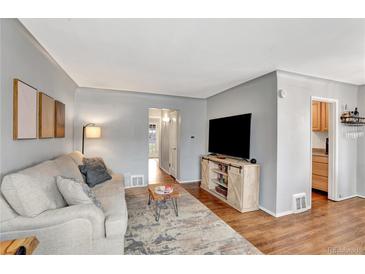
column 333, row 146
column 164, row 170
column 189, row 181
column 280, row 214
column 284, row 213
column 267, row 211
column 347, row 197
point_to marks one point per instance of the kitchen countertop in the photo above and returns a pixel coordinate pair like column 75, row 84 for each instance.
column 319, row 152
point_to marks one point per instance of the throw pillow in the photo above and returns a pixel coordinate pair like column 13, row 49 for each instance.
column 76, row 192
column 94, row 171
column 6, row 212
column 25, row 195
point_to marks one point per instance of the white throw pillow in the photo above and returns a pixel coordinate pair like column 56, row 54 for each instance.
column 73, row 191
column 25, row 195
column 6, row 212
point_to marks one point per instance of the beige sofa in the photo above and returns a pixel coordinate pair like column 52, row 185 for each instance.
column 78, row 229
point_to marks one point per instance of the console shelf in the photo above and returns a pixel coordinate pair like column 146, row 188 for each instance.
column 215, row 181
column 236, row 182
column 219, row 172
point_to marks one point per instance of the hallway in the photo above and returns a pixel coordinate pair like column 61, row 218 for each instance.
column 156, row 175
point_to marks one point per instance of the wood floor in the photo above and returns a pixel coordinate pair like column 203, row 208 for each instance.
column 157, row 175
column 328, row 228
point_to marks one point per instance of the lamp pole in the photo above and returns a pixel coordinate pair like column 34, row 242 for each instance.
column 83, row 135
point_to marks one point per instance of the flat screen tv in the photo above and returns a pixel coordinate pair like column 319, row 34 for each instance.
column 231, row 135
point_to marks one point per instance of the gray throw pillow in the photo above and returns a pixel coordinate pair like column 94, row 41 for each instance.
column 76, row 192
column 94, row 171
column 25, row 195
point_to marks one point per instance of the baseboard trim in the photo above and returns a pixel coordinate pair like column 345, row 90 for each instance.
column 347, row 197
column 187, row 182
column 281, row 214
column 267, row 211
column 164, row 170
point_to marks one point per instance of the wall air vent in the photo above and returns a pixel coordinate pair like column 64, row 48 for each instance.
column 299, row 202
column 137, row 180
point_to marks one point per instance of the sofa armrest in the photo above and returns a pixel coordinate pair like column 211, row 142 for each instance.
column 55, row 217
column 70, row 237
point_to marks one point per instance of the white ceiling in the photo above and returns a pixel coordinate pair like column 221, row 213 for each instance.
column 200, row 57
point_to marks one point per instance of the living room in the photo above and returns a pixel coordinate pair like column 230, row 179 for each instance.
column 231, row 101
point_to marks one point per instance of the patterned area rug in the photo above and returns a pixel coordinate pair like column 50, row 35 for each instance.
column 197, row 230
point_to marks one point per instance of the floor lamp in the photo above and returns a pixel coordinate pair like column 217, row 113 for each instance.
column 90, row 131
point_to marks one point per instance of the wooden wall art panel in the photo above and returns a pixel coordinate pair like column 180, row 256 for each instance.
column 60, row 121
column 46, row 116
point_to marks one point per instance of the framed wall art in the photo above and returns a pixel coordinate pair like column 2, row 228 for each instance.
column 46, row 116
column 59, row 119
column 25, row 102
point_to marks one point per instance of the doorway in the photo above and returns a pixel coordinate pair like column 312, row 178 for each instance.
column 162, row 145
column 324, row 137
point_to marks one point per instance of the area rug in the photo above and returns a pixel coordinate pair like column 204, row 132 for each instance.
column 197, row 230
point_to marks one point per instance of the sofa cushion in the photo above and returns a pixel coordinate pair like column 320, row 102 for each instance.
column 6, row 212
column 45, row 174
column 76, row 192
column 115, row 184
column 67, row 167
column 25, row 195
column 95, row 171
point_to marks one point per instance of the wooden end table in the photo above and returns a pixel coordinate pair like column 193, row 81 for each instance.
column 161, row 199
column 10, row 247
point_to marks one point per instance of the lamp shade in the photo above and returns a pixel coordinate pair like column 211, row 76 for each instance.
column 93, row 132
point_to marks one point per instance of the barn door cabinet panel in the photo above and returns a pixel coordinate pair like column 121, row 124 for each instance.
column 205, row 173
column 251, row 177
column 233, row 181
column 235, row 189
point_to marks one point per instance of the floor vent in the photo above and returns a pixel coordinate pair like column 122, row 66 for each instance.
column 299, row 202
column 137, row 180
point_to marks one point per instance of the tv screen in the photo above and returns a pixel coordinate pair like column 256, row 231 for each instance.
column 231, row 135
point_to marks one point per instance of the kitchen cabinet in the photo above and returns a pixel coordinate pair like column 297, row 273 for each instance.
column 319, row 116
column 320, row 170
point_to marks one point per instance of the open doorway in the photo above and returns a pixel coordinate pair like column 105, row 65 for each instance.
column 162, row 145
column 324, row 128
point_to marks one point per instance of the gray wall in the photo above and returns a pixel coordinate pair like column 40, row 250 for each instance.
column 22, row 57
column 294, row 133
column 259, row 98
column 123, row 117
column 361, row 147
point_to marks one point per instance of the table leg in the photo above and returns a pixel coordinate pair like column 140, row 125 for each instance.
column 174, row 204
column 158, row 211
column 149, row 199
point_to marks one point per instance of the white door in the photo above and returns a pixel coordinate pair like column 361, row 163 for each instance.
column 173, row 144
